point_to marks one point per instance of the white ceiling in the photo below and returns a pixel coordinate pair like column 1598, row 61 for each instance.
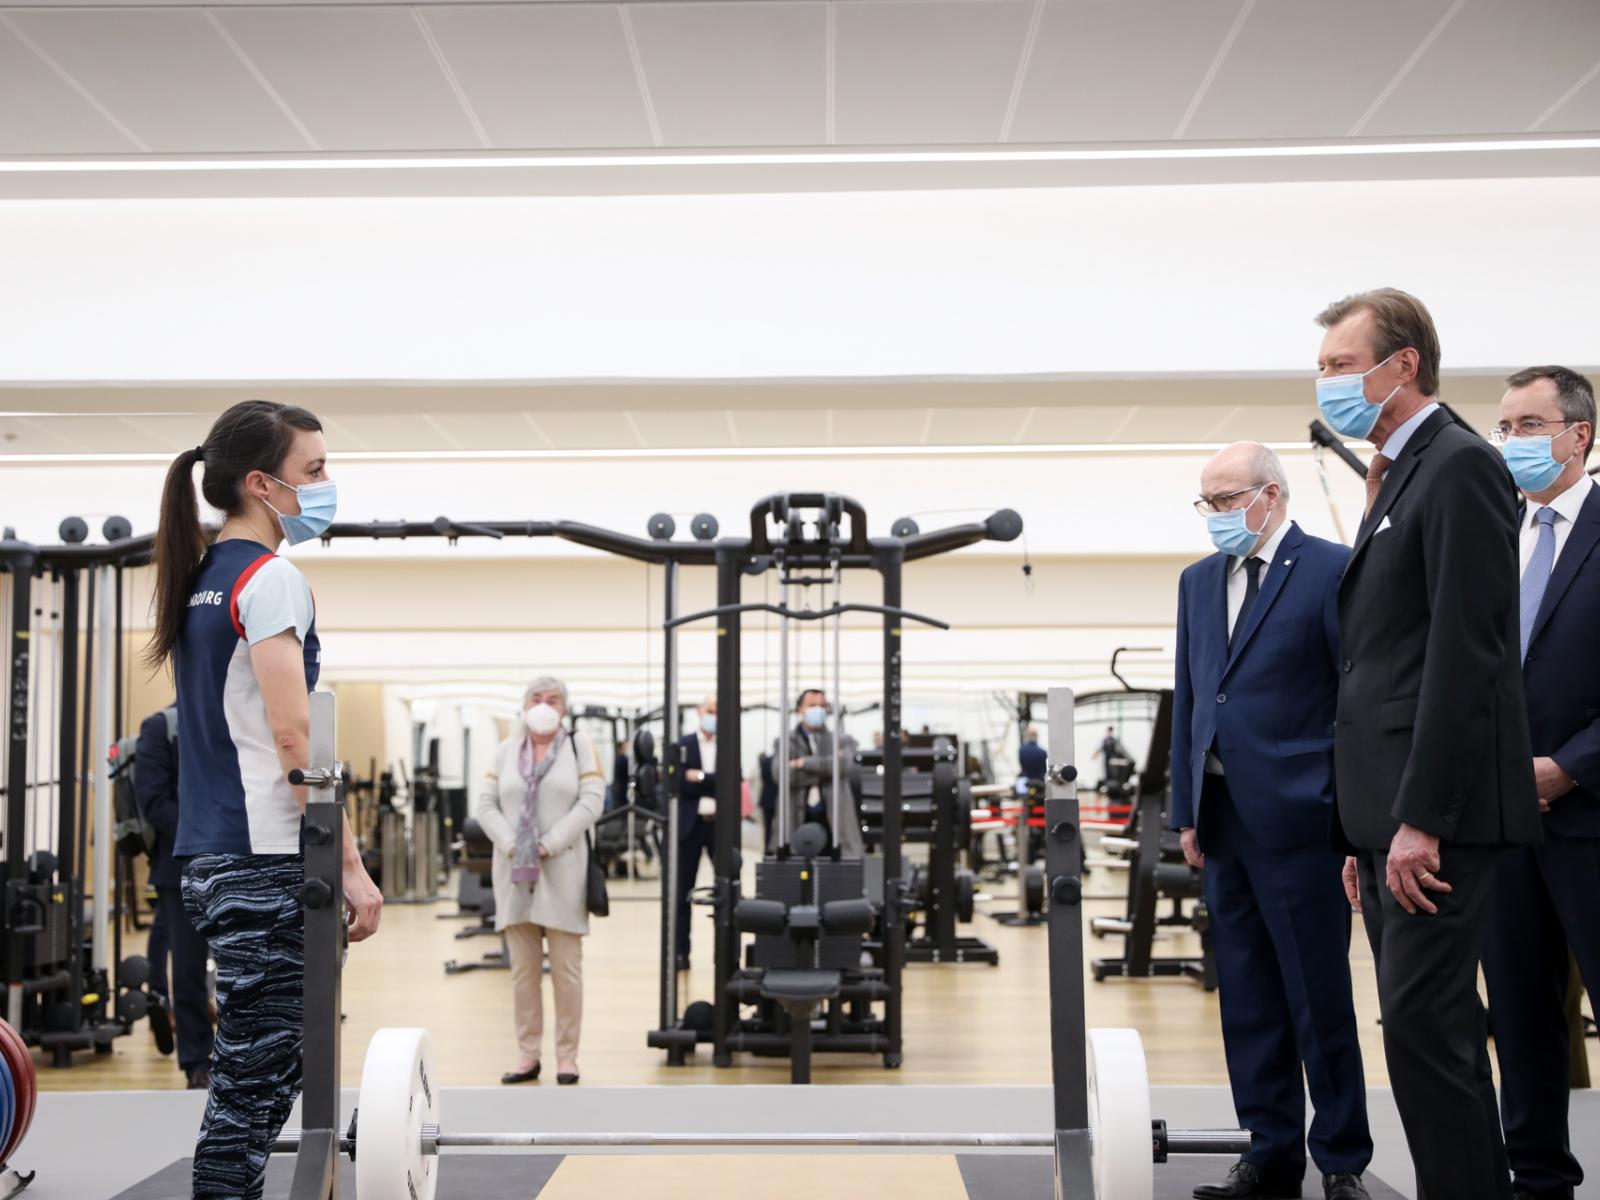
column 821, row 414
column 239, row 77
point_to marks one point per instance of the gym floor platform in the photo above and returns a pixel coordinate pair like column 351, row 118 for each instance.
column 141, row 1140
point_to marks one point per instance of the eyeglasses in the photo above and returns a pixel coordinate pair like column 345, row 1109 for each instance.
column 1208, row 505
column 1527, row 427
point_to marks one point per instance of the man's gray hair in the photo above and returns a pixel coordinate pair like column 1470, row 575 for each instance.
column 546, row 683
column 1267, row 467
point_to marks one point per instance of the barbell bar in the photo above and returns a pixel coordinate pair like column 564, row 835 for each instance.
column 395, row 1139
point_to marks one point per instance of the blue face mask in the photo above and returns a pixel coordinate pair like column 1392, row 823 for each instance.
column 1230, row 531
column 708, row 723
column 1532, row 462
column 318, row 503
column 1343, row 401
column 816, row 716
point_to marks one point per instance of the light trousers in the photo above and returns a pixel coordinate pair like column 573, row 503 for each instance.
column 528, row 945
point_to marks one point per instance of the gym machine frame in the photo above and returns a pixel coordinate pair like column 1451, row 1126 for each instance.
column 1102, row 1151
column 36, row 899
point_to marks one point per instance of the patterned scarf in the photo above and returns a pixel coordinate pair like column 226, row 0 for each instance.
column 525, row 865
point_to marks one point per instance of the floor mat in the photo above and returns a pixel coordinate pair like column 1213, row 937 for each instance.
column 710, row 1177
column 1007, row 1176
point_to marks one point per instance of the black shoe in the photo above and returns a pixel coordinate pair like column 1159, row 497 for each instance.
column 200, row 1079
column 567, row 1080
column 1344, row 1187
column 521, row 1076
column 1249, row 1182
column 161, row 1025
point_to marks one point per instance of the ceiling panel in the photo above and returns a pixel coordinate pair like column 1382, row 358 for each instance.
column 490, row 430
column 589, row 431
column 167, row 75
column 1494, row 69
column 974, row 426
column 779, row 427
column 1278, row 79
column 910, row 72
column 1076, row 424
column 670, row 430
column 865, row 427
column 386, row 431
column 41, row 114
column 1104, row 70
column 544, row 75
column 1581, row 112
column 358, row 78
column 732, row 74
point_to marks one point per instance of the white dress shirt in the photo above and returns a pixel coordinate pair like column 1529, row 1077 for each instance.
column 1239, row 579
column 708, row 766
column 1396, row 444
column 1567, row 506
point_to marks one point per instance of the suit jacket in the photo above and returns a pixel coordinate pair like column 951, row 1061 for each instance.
column 1432, row 727
column 155, row 783
column 690, row 792
column 1561, row 675
column 1267, row 704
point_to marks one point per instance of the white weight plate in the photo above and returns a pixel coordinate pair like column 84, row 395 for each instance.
column 1119, row 1116
column 398, row 1097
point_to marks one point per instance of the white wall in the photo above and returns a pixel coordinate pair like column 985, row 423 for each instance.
column 1083, row 280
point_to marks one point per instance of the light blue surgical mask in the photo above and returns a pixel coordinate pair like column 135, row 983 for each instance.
column 1230, row 531
column 708, row 724
column 318, row 503
column 1343, row 401
column 1532, row 461
column 816, row 717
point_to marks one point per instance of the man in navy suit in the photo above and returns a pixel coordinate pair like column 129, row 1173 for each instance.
column 697, row 813
column 1547, row 896
column 1252, row 789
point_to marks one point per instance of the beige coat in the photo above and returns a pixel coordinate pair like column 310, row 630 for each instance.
column 570, row 801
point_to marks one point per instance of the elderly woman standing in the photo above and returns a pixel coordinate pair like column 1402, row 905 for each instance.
column 545, row 792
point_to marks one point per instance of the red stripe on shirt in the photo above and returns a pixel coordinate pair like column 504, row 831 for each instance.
column 245, row 576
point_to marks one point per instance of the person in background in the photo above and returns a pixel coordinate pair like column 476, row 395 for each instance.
column 156, row 785
column 1432, row 759
column 811, row 757
column 1547, row 897
column 697, row 815
column 1032, row 757
column 543, row 795
column 237, row 625
column 1252, row 795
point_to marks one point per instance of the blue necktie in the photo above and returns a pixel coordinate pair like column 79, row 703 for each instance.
column 1537, row 577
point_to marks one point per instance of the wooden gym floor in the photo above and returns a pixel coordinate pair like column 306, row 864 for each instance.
column 968, row 1025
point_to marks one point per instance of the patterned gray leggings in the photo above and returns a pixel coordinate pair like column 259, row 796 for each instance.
column 248, row 906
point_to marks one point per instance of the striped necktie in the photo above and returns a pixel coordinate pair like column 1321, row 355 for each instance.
column 1537, row 577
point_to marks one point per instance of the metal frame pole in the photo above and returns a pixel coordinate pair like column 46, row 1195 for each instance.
column 782, row 838
column 1068, row 1027
column 729, row 776
column 104, row 698
column 838, row 699
column 894, row 933
column 21, row 569
column 316, row 1169
column 671, row 765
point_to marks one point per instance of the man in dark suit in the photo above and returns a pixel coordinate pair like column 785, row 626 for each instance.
column 1433, row 769
column 811, row 758
column 697, row 813
column 155, row 783
column 1547, row 897
column 1032, row 757
column 1252, row 790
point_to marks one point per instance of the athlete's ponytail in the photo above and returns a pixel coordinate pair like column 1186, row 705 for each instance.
column 254, row 435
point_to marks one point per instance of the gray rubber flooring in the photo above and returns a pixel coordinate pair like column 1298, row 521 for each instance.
column 523, row 1176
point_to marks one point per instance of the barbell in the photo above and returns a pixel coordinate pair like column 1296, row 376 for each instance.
column 395, row 1138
